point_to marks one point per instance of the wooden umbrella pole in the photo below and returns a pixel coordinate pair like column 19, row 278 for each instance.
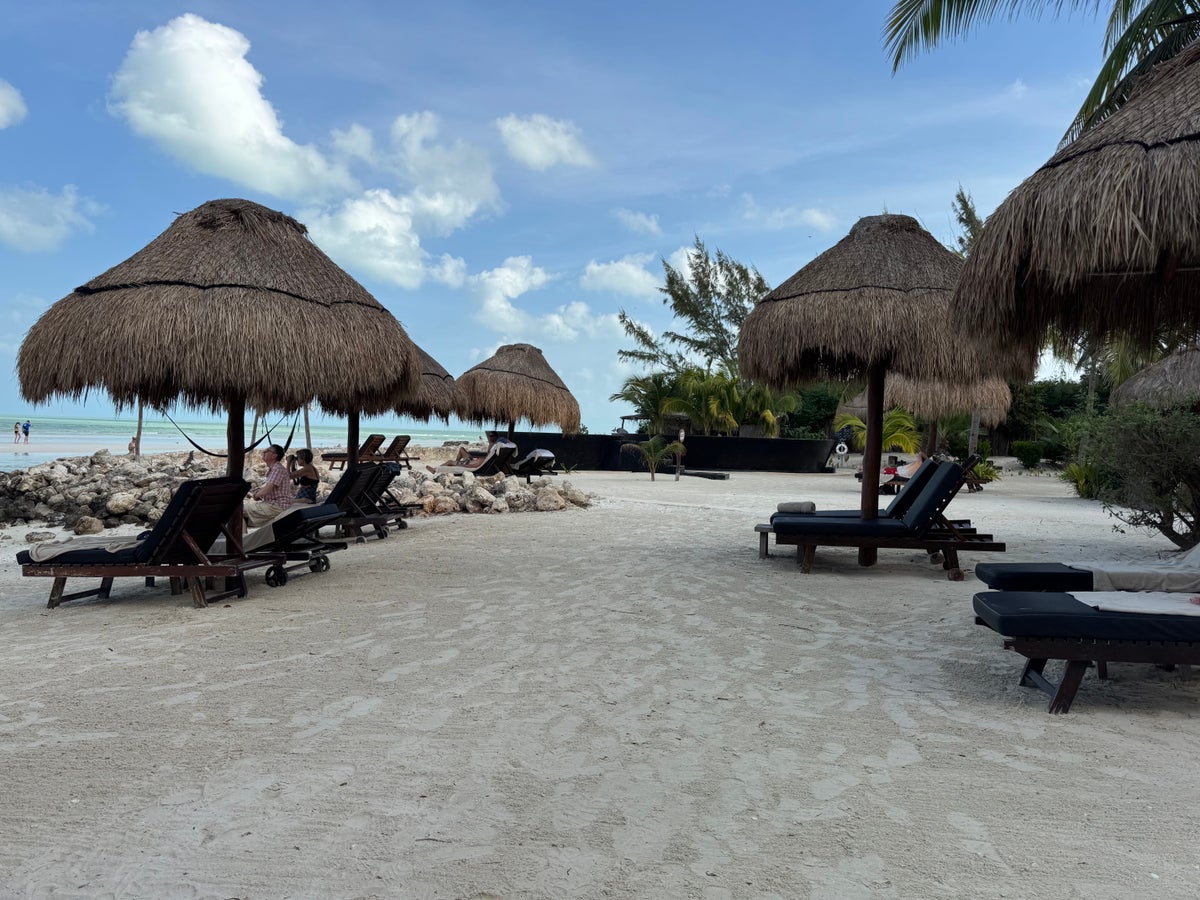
column 235, row 442
column 512, row 426
column 872, row 455
column 352, row 439
column 932, row 442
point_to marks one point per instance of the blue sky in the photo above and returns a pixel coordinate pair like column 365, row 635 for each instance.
column 501, row 172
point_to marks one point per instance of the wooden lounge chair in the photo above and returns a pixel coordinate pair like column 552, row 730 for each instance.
column 923, row 527
column 533, row 464
column 1177, row 572
column 353, row 496
column 294, row 538
column 496, row 462
column 1043, row 626
column 178, row 548
column 395, row 452
column 337, row 459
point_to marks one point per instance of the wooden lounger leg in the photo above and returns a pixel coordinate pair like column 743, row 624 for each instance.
column 950, row 563
column 1060, row 694
column 197, row 586
column 56, row 592
column 762, row 545
column 805, row 554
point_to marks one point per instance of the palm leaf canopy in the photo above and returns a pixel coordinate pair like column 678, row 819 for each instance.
column 517, row 383
column 232, row 303
column 991, row 397
column 1173, row 381
column 1104, row 239
column 880, row 296
column 438, row 394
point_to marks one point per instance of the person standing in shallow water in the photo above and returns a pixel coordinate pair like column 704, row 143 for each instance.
column 16, row 432
column 25, row 430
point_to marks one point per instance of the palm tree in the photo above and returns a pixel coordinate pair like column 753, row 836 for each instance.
column 701, row 397
column 648, row 394
column 655, row 452
column 1140, row 34
column 899, row 430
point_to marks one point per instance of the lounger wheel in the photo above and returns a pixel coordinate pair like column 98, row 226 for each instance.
column 276, row 576
column 320, row 564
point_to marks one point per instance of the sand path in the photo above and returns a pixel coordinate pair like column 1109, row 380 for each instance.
column 622, row 701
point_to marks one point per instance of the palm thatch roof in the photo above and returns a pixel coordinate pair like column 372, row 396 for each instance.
column 438, row 394
column 880, row 296
column 1172, row 381
column 933, row 399
column 1105, row 237
column 232, row 303
column 517, row 383
column 991, row 397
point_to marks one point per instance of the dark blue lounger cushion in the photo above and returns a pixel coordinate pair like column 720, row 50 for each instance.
column 1033, row 577
column 94, row 556
column 918, row 516
column 898, row 507
column 1042, row 614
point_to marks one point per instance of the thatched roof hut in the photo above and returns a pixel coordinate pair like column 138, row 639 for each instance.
column 876, row 302
column 880, row 296
column 933, row 399
column 1104, row 238
column 1172, row 381
column 517, row 383
column 438, row 393
column 231, row 305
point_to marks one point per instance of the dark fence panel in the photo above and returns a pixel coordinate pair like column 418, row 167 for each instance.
column 730, row 454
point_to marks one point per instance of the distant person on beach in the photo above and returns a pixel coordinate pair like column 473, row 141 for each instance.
column 304, row 473
column 468, row 460
column 133, row 446
column 274, row 495
column 16, row 432
column 908, row 470
column 25, row 430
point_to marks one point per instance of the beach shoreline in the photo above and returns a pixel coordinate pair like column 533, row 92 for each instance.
column 620, row 701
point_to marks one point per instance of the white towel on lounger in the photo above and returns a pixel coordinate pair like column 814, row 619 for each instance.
column 1165, row 603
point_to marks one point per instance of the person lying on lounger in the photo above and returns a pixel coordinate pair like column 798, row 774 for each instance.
column 468, row 460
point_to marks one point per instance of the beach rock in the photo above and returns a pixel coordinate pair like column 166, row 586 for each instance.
column 88, row 525
column 37, row 537
column 548, row 499
column 576, row 497
column 479, row 500
column 444, row 504
column 431, row 488
column 520, row 500
column 119, row 504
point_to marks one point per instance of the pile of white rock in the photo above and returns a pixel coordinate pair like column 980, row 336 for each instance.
column 90, row 493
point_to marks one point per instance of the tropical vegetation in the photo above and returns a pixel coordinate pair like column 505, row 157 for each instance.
column 655, row 452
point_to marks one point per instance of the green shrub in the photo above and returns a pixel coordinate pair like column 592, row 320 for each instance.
column 1148, row 471
column 1028, row 452
column 1083, row 477
column 1054, row 451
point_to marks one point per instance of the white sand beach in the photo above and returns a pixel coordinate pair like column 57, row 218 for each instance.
column 621, row 701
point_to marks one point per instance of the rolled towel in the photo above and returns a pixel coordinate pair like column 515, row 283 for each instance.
column 797, row 506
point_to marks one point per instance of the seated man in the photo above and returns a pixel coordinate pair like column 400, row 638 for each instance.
column 274, row 495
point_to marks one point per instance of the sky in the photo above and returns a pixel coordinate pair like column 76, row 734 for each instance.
column 505, row 172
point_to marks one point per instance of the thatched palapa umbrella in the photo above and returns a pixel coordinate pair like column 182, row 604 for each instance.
column 1172, row 381
column 1104, row 238
column 516, row 383
column 875, row 302
column 231, row 305
column 438, row 394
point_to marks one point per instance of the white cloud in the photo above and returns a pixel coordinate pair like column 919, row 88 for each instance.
column 498, row 287
column 681, row 259
column 540, row 142
column 33, row 219
column 380, row 230
column 12, row 107
column 786, row 216
column 188, row 87
column 638, row 222
column 375, row 233
column 627, row 275
column 452, row 182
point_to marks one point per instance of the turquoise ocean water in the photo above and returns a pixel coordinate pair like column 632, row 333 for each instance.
column 53, row 437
